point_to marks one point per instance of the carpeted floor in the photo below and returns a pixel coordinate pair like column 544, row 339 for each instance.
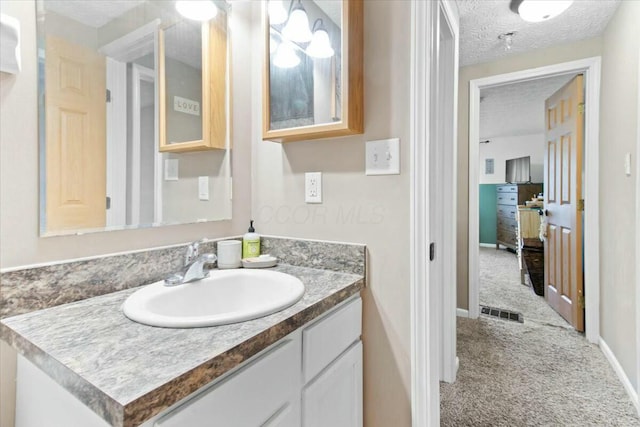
column 537, row 373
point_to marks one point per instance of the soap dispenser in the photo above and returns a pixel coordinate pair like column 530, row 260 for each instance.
column 251, row 243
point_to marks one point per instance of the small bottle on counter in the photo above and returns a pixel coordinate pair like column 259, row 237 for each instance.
column 251, row 243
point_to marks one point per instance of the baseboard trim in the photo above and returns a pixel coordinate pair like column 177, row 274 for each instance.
column 633, row 395
column 487, row 245
column 461, row 312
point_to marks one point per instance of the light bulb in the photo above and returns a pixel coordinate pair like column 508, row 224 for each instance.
column 320, row 46
column 197, row 10
column 285, row 56
column 277, row 12
column 297, row 28
column 542, row 10
column 273, row 44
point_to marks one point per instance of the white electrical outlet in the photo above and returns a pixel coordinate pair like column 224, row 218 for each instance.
column 383, row 157
column 203, row 187
column 313, row 187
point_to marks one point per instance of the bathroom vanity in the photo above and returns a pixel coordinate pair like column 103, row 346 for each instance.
column 85, row 364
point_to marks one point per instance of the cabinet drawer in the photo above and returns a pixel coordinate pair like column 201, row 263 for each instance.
column 507, row 222
column 506, row 211
column 506, row 235
column 262, row 393
column 507, row 199
column 507, row 188
column 326, row 339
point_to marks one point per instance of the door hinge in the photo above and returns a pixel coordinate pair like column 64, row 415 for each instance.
column 108, row 202
column 432, row 251
column 581, row 108
column 581, row 302
column 108, row 95
column 581, row 205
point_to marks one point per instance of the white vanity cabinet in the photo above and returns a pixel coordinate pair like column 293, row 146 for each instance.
column 312, row 377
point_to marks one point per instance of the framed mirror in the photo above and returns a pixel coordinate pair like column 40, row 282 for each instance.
column 313, row 69
column 192, row 70
column 126, row 90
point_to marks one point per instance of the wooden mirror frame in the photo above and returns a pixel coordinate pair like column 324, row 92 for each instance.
column 352, row 87
column 214, row 90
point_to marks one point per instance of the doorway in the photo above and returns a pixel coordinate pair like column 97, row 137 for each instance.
column 512, row 180
column 590, row 67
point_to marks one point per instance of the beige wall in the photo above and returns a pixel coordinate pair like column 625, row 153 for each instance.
column 356, row 208
column 19, row 242
column 618, row 135
column 537, row 58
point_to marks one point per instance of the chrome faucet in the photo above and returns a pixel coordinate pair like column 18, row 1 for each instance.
column 193, row 266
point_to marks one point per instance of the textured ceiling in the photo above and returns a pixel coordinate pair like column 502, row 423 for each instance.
column 482, row 21
column 516, row 109
column 94, row 13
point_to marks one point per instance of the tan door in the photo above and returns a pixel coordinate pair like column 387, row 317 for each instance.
column 76, row 136
column 563, row 182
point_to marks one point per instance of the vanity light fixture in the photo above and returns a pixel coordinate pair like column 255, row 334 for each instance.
column 539, row 10
column 320, row 46
column 277, row 13
column 197, row 10
column 273, row 44
column 285, row 56
column 297, row 27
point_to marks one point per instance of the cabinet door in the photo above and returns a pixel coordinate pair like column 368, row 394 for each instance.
column 264, row 393
column 335, row 397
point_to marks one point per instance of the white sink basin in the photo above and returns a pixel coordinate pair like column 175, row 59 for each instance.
column 226, row 296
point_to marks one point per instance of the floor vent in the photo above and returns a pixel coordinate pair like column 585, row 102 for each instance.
column 502, row 314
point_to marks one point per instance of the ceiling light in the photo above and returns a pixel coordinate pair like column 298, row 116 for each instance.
column 285, row 56
column 277, row 12
column 320, row 46
column 197, row 10
column 539, row 10
column 297, row 28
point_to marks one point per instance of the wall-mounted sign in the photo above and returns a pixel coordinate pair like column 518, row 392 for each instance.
column 185, row 105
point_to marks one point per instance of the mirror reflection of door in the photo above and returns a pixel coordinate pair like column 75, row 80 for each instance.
column 75, row 136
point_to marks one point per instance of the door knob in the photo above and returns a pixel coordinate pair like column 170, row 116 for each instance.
column 547, row 213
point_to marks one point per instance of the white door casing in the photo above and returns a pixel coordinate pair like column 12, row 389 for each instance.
column 591, row 69
column 428, row 313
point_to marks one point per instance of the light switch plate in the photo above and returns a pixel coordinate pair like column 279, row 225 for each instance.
column 171, row 169
column 313, row 187
column 383, row 157
column 203, row 187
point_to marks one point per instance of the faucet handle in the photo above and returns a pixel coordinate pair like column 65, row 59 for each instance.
column 193, row 250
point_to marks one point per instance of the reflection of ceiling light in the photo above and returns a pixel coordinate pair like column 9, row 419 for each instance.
column 273, row 44
column 320, row 46
column 297, row 28
column 277, row 12
column 197, row 10
column 285, row 56
column 539, row 10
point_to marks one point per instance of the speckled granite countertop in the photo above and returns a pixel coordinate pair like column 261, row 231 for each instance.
column 127, row 372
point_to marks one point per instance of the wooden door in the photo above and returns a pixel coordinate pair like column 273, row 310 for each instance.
column 563, row 181
column 75, row 102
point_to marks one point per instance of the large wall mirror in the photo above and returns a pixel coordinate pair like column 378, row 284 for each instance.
column 127, row 89
column 313, row 76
